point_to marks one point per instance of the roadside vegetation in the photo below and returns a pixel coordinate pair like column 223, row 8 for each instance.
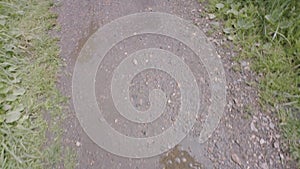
column 267, row 33
column 29, row 65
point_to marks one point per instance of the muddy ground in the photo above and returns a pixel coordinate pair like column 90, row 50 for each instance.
column 246, row 137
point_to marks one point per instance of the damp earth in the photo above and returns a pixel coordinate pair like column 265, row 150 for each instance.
column 245, row 138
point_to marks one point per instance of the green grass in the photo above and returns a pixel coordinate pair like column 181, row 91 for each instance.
column 29, row 65
column 268, row 32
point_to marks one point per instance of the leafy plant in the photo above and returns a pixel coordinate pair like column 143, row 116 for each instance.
column 269, row 34
column 29, row 64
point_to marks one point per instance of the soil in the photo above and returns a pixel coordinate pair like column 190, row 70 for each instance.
column 247, row 136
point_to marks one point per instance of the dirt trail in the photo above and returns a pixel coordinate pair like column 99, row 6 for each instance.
column 245, row 138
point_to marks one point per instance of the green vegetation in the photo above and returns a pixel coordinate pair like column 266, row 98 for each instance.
column 29, row 66
column 267, row 33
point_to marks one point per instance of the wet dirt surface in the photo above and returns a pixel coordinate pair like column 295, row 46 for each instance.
column 246, row 137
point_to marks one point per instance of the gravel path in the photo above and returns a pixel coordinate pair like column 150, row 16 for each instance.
column 246, row 137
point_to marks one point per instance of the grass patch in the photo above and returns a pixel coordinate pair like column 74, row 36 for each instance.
column 268, row 33
column 29, row 65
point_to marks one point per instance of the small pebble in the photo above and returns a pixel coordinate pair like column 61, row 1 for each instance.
column 78, row 144
column 135, row 61
column 211, row 16
column 252, row 126
column 271, row 125
column 235, row 158
column 177, row 160
column 244, row 63
column 276, row 144
column 262, row 141
column 264, row 166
